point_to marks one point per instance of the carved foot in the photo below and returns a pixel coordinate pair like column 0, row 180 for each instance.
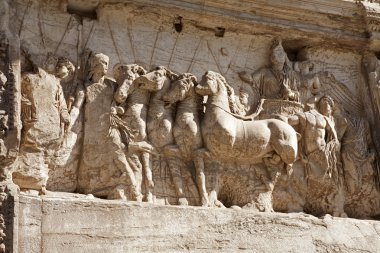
column 183, row 202
column 117, row 193
column 204, row 200
column 219, row 204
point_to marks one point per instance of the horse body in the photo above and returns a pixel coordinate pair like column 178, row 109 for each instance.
column 159, row 117
column 135, row 115
column 186, row 129
column 271, row 142
column 230, row 138
column 134, row 99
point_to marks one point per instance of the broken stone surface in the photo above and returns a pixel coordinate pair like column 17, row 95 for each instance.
column 61, row 224
column 248, row 105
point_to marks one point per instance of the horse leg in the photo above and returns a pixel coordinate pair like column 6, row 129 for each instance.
column 134, row 162
column 173, row 154
column 149, row 184
column 198, row 159
column 125, row 167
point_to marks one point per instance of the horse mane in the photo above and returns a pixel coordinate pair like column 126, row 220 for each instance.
column 230, row 91
column 168, row 73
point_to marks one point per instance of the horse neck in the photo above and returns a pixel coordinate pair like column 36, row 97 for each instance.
column 157, row 95
column 137, row 95
column 220, row 100
column 191, row 104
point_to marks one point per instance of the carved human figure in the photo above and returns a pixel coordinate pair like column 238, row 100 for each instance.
column 310, row 84
column 186, row 131
column 134, row 99
column 73, row 89
column 65, row 161
column 279, row 81
column 226, row 137
column 44, row 116
column 242, row 103
column 358, row 157
column 105, row 170
column 319, row 138
column 320, row 155
column 36, row 107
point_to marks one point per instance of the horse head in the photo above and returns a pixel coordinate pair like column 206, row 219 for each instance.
column 181, row 88
column 214, row 84
column 124, row 75
column 155, row 79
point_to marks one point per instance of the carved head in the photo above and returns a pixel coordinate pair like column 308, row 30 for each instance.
column 243, row 97
column 98, row 64
column 278, row 56
column 124, row 75
column 122, row 72
column 64, row 69
column 326, row 105
column 155, row 79
column 181, row 88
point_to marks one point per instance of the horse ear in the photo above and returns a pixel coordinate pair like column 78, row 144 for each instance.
column 193, row 78
column 171, row 74
column 116, row 69
column 141, row 71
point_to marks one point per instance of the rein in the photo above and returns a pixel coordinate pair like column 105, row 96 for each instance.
column 245, row 118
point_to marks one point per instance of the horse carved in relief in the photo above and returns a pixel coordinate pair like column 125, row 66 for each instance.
column 226, row 137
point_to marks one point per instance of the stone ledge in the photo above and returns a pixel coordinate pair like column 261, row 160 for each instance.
column 75, row 223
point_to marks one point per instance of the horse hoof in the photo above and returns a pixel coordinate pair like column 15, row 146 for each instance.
column 139, row 198
column 219, row 204
column 183, row 202
column 205, row 202
column 149, row 198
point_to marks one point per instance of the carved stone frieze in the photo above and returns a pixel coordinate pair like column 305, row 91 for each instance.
column 172, row 112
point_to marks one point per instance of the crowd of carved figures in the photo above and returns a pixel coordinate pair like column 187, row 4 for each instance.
column 166, row 137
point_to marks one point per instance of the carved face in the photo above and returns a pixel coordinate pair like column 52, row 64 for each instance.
column 64, row 69
column 207, row 86
column 325, row 106
column 61, row 71
column 99, row 64
column 278, row 56
column 243, row 97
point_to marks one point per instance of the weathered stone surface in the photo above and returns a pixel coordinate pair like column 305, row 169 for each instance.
column 68, row 224
column 256, row 105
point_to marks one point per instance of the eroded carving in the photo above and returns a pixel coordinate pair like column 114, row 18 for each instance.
column 105, row 170
column 147, row 135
